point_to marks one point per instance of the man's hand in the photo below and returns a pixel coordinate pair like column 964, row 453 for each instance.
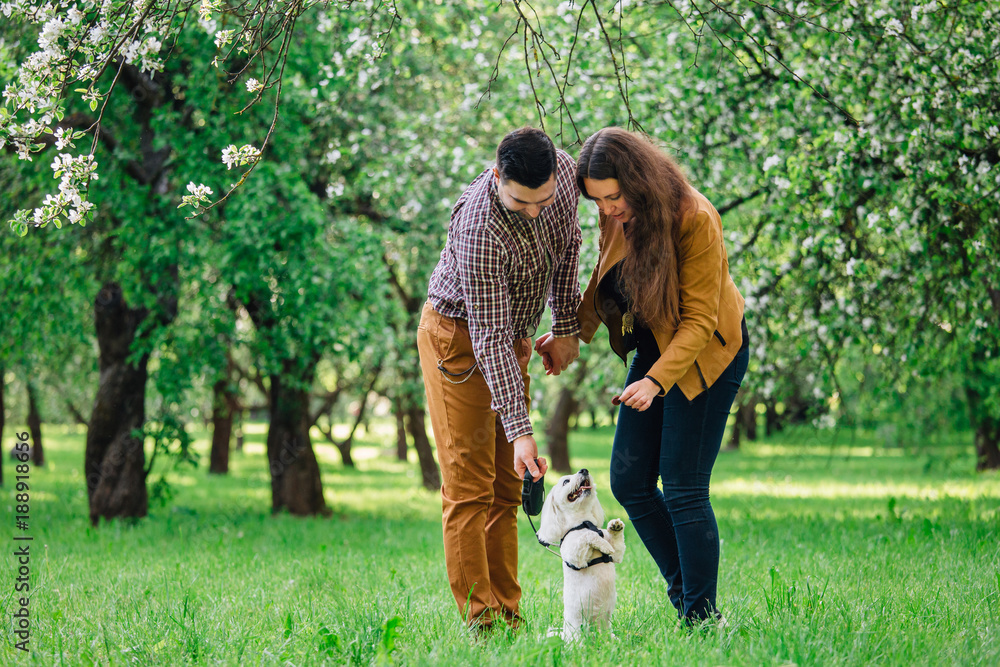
column 557, row 353
column 525, row 453
column 639, row 395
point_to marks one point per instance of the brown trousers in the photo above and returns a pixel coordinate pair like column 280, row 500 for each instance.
column 481, row 492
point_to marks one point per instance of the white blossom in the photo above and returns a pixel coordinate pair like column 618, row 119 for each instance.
column 78, row 214
column 208, row 7
column 199, row 196
column 893, row 28
column 97, row 33
column 234, row 157
column 63, row 138
column 210, row 26
column 223, row 38
column 199, row 190
column 229, row 156
column 826, row 421
column 334, row 190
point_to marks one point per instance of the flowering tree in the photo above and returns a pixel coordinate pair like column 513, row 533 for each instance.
column 85, row 48
column 372, row 160
column 152, row 261
column 853, row 151
column 883, row 236
column 867, row 221
column 851, row 148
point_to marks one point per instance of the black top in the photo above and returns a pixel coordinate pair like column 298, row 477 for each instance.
column 641, row 338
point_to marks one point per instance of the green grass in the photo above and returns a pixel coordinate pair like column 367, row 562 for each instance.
column 832, row 555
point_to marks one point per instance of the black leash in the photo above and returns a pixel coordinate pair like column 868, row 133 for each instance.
column 532, row 499
column 546, row 545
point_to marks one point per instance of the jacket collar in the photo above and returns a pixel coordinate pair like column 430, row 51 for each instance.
column 614, row 245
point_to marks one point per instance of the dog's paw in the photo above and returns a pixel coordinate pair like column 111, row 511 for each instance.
column 616, row 525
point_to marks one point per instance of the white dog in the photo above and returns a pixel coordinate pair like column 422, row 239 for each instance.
column 571, row 517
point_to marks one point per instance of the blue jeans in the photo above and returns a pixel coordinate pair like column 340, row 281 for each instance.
column 677, row 441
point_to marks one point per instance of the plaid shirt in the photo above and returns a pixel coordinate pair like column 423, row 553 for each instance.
column 496, row 270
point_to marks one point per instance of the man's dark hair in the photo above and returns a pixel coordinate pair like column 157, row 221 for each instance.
column 526, row 156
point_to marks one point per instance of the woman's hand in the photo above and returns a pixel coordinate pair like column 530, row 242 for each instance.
column 639, row 395
column 540, row 346
column 557, row 353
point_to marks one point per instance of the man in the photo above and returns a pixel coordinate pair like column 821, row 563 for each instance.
column 513, row 240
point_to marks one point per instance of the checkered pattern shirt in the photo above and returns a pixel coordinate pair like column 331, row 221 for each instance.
column 496, row 271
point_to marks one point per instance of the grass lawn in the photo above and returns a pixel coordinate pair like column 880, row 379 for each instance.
column 832, row 554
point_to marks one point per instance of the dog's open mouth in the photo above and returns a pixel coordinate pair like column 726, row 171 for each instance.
column 581, row 490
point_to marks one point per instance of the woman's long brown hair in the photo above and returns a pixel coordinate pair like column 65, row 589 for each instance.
column 657, row 191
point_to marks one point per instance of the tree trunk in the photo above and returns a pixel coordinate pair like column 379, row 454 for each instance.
column 344, row 447
column 734, row 437
column 744, row 424
column 430, row 475
column 114, row 462
column 222, row 427
column 3, row 417
column 985, row 423
column 987, row 431
column 35, row 426
column 239, row 429
column 988, row 445
column 75, row 412
column 748, row 417
column 557, row 431
column 772, row 421
column 348, row 442
column 296, row 484
column 397, row 409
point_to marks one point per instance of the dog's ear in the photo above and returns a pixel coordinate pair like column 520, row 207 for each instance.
column 551, row 530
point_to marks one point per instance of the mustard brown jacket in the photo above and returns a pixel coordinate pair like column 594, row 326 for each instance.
column 694, row 354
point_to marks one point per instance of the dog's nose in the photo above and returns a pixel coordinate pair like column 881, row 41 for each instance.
column 585, row 472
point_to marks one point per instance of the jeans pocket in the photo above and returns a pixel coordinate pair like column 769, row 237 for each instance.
column 740, row 364
column 442, row 332
column 453, row 346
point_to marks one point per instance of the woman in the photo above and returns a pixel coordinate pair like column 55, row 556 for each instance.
column 662, row 287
